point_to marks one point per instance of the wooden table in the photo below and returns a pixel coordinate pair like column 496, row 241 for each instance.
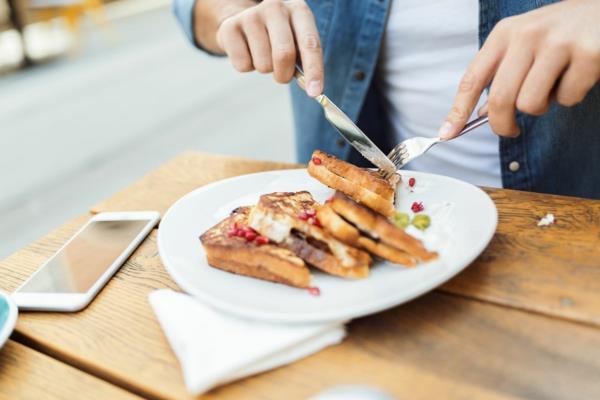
column 523, row 321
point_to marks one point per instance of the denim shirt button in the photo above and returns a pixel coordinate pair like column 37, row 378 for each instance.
column 514, row 166
column 359, row 75
column 341, row 143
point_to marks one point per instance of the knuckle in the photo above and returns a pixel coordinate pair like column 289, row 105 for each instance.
column 468, row 82
column 529, row 31
column 458, row 114
column 250, row 19
column 283, row 76
column 530, row 106
column 498, row 101
column 503, row 128
column 311, row 41
column 242, row 64
column 589, row 53
column 284, row 54
column 272, row 5
column 558, row 44
column 263, row 66
column 503, row 26
column 568, row 99
column 298, row 5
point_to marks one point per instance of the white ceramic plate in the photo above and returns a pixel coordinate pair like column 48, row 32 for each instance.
column 8, row 318
column 463, row 217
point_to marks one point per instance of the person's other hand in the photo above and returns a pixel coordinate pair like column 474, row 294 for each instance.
column 267, row 38
column 551, row 52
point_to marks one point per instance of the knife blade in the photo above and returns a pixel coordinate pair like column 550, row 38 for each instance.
column 349, row 131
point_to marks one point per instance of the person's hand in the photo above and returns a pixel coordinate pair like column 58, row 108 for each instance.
column 551, row 52
column 268, row 37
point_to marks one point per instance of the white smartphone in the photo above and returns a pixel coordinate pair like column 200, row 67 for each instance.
column 73, row 276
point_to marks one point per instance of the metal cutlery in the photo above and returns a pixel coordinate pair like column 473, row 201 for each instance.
column 352, row 133
column 410, row 149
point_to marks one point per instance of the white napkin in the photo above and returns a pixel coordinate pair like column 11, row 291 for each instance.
column 214, row 348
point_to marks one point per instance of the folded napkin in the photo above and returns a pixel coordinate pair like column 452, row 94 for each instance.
column 215, row 348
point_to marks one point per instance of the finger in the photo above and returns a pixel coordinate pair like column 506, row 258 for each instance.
column 576, row 82
column 232, row 41
column 282, row 44
column 476, row 78
column 258, row 42
column 505, row 88
column 309, row 46
column 536, row 91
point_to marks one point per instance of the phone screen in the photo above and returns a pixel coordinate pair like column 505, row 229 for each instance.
column 78, row 265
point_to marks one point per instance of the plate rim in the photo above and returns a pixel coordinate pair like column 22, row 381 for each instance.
column 11, row 320
column 322, row 317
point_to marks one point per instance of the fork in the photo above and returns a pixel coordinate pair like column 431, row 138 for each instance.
column 410, row 149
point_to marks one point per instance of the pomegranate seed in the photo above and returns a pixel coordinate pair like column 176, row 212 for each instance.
column 417, row 207
column 311, row 213
column 250, row 236
column 240, row 232
column 314, row 291
column 411, row 182
column 260, row 240
column 303, row 215
column 231, row 232
column 317, row 223
column 316, row 161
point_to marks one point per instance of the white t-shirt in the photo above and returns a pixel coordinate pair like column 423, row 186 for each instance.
column 427, row 47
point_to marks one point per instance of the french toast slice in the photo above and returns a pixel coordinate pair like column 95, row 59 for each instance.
column 348, row 233
column 251, row 258
column 378, row 228
column 363, row 185
column 289, row 219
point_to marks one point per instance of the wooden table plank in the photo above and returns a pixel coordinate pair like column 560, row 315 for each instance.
column 439, row 345
column 552, row 270
column 27, row 374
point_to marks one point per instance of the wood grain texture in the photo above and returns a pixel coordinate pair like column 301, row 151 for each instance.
column 26, row 374
column 438, row 346
column 161, row 188
column 553, row 270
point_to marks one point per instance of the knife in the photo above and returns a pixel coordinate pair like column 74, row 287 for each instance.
column 349, row 131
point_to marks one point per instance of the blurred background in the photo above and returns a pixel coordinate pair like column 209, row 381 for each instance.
column 94, row 94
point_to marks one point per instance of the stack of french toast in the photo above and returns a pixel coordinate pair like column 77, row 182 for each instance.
column 285, row 233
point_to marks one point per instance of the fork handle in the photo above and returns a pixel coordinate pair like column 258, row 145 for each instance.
column 476, row 123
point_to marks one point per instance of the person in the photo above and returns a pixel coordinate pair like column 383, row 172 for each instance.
column 425, row 67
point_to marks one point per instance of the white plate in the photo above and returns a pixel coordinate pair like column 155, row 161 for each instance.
column 8, row 317
column 464, row 220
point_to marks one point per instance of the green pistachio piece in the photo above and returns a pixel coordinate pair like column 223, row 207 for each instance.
column 401, row 220
column 421, row 221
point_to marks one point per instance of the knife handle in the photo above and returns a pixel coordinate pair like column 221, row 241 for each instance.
column 299, row 75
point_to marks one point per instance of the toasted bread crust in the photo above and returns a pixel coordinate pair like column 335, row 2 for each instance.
column 256, row 270
column 235, row 254
column 346, row 232
column 350, row 188
column 337, row 226
column 276, row 214
column 387, row 252
column 379, row 227
column 363, row 177
column 322, row 259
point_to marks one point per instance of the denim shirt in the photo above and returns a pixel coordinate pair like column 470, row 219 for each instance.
column 558, row 152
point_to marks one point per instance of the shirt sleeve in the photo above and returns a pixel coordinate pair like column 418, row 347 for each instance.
column 184, row 11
